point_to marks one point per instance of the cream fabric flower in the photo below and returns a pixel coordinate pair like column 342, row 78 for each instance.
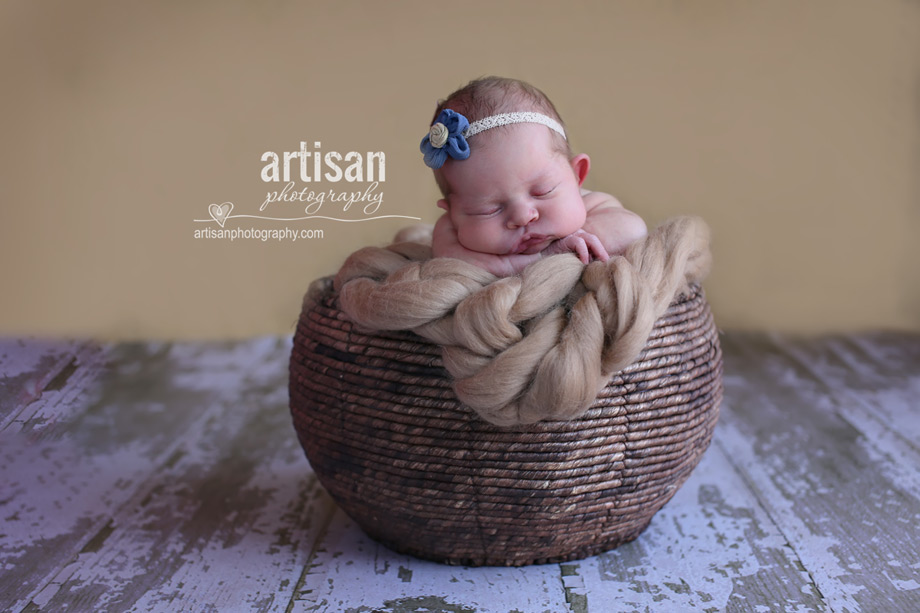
column 438, row 134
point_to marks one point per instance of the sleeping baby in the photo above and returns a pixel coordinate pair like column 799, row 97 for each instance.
column 511, row 184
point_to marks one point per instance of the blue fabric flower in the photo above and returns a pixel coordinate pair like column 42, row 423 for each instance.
column 446, row 138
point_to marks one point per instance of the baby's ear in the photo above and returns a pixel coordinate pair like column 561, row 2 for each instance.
column 443, row 204
column 580, row 164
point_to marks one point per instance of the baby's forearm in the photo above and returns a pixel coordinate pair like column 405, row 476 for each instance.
column 498, row 265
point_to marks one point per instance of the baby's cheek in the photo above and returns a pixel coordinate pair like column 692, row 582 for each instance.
column 570, row 218
column 472, row 238
column 486, row 238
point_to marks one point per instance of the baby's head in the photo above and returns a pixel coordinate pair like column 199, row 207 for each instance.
column 505, row 168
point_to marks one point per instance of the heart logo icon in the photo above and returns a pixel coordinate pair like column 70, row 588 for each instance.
column 220, row 212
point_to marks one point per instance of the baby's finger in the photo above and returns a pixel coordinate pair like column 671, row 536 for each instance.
column 597, row 247
column 581, row 248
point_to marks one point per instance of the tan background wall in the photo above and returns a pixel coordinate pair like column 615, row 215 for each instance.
column 792, row 127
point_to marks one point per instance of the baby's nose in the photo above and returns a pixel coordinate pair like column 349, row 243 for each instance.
column 523, row 216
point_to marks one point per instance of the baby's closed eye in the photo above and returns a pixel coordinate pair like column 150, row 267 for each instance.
column 544, row 192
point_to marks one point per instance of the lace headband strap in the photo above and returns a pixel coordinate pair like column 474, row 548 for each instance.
column 447, row 135
column 503, row 119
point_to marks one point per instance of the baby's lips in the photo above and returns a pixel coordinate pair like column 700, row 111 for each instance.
column 532, row 243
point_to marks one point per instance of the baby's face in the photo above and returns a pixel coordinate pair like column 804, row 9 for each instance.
column 515, row 193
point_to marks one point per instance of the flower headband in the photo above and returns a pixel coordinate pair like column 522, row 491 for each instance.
column 447, row 135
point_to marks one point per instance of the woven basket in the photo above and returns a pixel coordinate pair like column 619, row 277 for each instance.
column 426, row 476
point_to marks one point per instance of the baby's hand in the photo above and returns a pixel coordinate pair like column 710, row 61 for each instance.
column 583, row 244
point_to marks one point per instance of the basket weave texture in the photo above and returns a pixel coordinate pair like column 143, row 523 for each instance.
column 424, row 475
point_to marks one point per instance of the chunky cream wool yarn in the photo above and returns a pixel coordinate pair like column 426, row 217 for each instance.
column 537, row 346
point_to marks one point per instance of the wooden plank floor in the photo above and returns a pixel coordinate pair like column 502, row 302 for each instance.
column 167, row 477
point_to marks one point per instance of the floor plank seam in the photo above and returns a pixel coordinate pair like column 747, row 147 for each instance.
column 758, row 496
column 314, row 552
column 573, row 588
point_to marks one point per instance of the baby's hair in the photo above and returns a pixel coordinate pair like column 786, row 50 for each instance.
column 493, row 95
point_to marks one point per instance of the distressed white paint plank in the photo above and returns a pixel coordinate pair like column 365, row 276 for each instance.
column 33, row 369
column 876, row 392
column 168, row 477
column 847, row 507
column 353, row 574
column 878, row 381
column 898, row 351
column 880, row 404
column 711, row 548
column 69, row 393
column 225, row 523
column 62, row 485
column 229, row 525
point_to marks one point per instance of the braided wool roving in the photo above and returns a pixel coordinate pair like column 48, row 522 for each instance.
column 532, row 347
